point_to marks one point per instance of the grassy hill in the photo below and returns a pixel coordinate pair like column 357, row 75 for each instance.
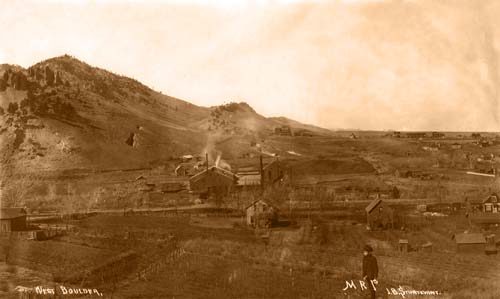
column 62, row 114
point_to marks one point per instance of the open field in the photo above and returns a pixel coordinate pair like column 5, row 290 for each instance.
column 172, row 247
column 206, row 257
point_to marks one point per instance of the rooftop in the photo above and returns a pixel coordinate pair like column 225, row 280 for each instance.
column 373, row 205
column 11, row 213
column 469, row 238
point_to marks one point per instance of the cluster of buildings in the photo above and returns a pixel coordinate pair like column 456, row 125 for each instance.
column 216, row 181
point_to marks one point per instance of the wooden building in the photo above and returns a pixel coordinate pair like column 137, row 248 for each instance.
column 213, row 181
column 470, row 242
column 264, row 176
column 272, row 172
column 379, row 215
column 261, row 214
column 283, row 131
column 491, row 204
column 12, row 219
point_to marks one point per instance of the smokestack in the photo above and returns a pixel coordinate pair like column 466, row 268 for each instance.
column 206, row 159
column 261, row 173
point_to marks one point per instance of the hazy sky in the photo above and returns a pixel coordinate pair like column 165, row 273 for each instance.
column 407, row 65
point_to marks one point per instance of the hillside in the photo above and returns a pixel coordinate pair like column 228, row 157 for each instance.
column 62, row 114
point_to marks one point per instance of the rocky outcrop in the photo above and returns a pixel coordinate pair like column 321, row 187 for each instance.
column 38, row 74
column 3, row 85
column 58, row 80
column 14, row 79
column 49, row 76
column 19, row 81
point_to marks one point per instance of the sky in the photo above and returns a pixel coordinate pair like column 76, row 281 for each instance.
column 350, row 64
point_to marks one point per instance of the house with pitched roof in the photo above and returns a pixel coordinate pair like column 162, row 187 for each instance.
column 12, row 219
column 213, row 181
column 470, row 242
column 379, row 215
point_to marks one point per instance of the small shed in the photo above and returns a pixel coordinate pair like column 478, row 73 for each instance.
column 403, row 245
column 491, row 204
column 261, row 214
column 12, row 219
column 379, row 215
column 470, row 242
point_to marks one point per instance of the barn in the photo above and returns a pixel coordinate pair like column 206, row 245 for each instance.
column 470, row 242
column 261, row 214
column 491, row 204
column 379, row 215
column 213, row 181
column 12, row 219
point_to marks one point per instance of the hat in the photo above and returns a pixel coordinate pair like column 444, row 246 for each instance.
column 368, row 248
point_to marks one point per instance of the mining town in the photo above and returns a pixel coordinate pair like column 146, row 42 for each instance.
column 286, row 149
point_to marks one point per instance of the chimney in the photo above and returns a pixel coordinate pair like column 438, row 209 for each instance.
column 206, row 159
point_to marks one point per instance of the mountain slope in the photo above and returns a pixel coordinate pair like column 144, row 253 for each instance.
column 62, row 113
column 66, row 114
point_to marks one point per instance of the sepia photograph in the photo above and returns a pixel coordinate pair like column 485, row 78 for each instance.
column 249, row 149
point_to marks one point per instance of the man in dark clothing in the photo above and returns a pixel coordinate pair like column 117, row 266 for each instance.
column 370, row 269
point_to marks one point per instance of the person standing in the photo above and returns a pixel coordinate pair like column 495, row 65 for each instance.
column 370, row 269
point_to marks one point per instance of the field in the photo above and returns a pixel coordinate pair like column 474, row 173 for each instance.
column 199, row 257
column 168, row 246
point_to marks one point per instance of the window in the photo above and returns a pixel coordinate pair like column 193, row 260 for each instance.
column 488, row 207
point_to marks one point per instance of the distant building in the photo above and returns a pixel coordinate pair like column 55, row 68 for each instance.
column 437, row 135
column 396, row 134
column 491, row 204
column 353, row 136
column 265, row 174
column 213, row 180
column 261, row 214
column 303, row 132
column 379, row 215
column 475, row 135
column 470, row 242
column 187, row 169
column 485, row 142
column 283, row 131
column 12, row 219
column 249, row 180
column 456, row 146
column 416, row 134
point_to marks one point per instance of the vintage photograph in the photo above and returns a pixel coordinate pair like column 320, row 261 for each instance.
column 249, row 149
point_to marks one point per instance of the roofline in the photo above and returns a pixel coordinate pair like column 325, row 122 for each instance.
column 256, row 201
column 224, row 172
